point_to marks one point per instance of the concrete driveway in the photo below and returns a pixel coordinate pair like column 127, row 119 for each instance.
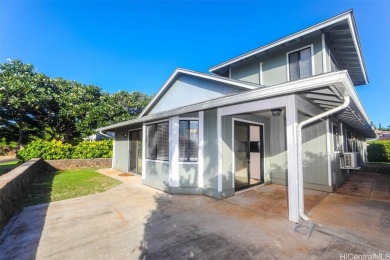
column 132, row 221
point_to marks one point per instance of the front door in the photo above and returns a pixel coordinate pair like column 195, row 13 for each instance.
column 249, row 155
column 135, row 146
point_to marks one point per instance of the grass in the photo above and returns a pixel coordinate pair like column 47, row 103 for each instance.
column 61, row 185
column 8, row 166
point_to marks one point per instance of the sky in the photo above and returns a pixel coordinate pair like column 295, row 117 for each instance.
column 136, row 45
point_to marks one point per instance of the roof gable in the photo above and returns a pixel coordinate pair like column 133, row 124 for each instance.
column 186, row 87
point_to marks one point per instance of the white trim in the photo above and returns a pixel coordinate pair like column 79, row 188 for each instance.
column 219, row 136
column 174, row 151
column 324, row 64
column 201, row 150
column 196, row 74
column 357, row 46
column 311, row 46
column 341, row 137
column 286, row 39
column 180, row 162
column 143, row 151
column 261, row 82
column 233, row 153
column 329, row 151
column 292, row 159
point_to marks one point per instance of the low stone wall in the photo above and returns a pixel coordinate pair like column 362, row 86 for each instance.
column 80, row 163
column 13, row 186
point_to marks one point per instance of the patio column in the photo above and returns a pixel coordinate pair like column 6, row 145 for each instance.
column 292, row 157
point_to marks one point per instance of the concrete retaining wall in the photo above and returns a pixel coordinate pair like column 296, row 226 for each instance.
column 13, row 186
column 80, row 163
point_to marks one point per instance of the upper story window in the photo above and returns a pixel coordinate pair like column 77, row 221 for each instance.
column 188, row 140
column 157, row 141
column 300, row 64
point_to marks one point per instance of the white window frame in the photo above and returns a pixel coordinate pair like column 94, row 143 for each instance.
column 311, row 46
column 177, row 137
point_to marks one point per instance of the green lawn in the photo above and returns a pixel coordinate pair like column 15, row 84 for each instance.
column 61, row 185
column 8, row 166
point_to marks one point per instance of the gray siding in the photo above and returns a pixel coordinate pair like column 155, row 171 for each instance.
column 188, row 175
column 157, row 173
column 275, row 64
column 187, row 90
column 278, row 151
column 315, row 165
column 210, row 150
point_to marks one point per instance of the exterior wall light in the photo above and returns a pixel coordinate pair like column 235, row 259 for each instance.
column 276, row 112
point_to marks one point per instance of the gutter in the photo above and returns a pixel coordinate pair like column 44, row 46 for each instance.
column 300, row 156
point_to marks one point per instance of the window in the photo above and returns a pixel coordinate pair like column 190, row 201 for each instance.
column 336, row 138
column 157, row 143
column 188, row 140
column 299, row 64
column 349, row 142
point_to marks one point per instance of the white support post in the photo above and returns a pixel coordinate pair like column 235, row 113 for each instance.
column 292, row 157
column 324, row 56
column 329, row 150
column 174, row 151
column 261, row 73
column 201, row 145
column 219, row 135
column 143, row 151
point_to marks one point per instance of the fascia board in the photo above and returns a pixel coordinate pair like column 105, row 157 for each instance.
column 353, row 94
column 301, row 33
column 237, row 83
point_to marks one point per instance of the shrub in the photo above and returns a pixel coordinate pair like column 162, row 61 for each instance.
column 56, row 150
column 86, row 149
column 379, row 151
column 7, row 147
column 53, row 150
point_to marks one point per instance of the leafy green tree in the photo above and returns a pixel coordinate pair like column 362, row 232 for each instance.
column 23, row 97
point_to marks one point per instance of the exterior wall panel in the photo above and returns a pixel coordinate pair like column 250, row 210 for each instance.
column 121, row 150
column 188, row 175
column 187, row 90
column 210, row 177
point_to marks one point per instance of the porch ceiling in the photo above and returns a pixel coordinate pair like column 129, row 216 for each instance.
column 329, row 97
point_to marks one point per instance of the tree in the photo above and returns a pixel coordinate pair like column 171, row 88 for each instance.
column 23, row 96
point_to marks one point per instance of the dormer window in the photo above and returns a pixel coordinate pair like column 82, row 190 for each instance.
column 300, row 64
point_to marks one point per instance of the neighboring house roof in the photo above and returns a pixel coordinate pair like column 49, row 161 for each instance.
column 383, row 135
column 330, row 84
column 238, row 85
column 342, row 35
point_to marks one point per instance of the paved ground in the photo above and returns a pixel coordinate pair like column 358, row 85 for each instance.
column 368, row 185
column 132, row 221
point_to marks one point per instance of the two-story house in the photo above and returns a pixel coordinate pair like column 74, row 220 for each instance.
column 285, row 113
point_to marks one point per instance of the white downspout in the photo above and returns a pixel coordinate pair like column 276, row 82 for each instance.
column 300, row 156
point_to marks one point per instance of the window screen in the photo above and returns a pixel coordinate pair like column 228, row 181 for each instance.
column 188, row 141
column 300, row 64
column 157, row 143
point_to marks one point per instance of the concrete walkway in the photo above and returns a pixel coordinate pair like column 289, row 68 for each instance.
column 132, row 221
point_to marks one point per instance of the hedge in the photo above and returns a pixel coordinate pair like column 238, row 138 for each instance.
column 56, row 150
column 379, row 151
